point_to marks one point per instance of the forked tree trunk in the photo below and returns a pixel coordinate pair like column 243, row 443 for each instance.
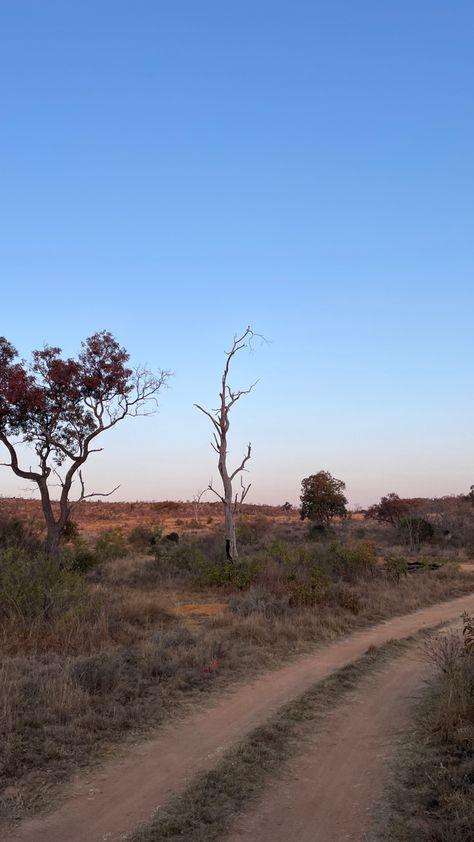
column 54, row 527
column 220, row 421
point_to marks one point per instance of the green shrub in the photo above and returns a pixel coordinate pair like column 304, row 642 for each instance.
column 15, row 533
column 35, row 586
column 80, row 558
column 352, row 560
column 110, row 545
column 250, row 533
column 281, row 552
column 241, row 573
column 396, row 567
column 308, row 590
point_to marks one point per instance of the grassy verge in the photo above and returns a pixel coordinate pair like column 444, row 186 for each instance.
column 93, row 657
column 431, row 797
column 207, row 808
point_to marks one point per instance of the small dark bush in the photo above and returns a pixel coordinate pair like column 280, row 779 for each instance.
column 317, row 531
column 173, row 537
column 143, row 538
column 15, row 533
column 81, row 559
column 96, row 674
column 70, row 531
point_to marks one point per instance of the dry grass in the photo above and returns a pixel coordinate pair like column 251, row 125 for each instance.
column 432, row 796
column 119, row 661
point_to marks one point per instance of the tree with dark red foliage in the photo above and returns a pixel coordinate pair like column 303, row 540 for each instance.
column 391, row 509
column 59, row 406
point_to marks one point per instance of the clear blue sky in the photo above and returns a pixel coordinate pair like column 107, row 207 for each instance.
column 172, row 171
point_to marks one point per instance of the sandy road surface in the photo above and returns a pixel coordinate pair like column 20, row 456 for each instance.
column 328, row 791
column 125, row 792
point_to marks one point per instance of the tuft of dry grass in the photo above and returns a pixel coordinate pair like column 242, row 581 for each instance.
column 431, row 798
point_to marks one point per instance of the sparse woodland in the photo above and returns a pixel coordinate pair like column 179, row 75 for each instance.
column 114, row 616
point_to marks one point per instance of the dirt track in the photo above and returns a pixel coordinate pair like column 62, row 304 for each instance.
column 126, row 791
column 327, row 792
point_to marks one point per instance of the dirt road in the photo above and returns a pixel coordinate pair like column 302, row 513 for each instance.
column 328, row 791
column 113, row 801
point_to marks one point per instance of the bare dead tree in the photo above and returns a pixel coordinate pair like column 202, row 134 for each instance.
column 196, row 501
column 231, row 500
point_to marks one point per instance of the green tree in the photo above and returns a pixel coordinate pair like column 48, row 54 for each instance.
column 322, row 498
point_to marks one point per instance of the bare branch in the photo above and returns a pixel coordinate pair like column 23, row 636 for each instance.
column 216, row 425
column 243, row 463
column 84, row 496
column 211, row 488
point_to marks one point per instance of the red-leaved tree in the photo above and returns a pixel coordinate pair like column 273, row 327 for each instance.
column 59, row 406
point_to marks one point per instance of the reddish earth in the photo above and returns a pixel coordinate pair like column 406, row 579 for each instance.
column 208, row 609
column 112, row 801
column 93, row 517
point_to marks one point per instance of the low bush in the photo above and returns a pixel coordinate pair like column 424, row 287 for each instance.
column 80, row 558
column 144, row 538
column 241, row 573
column 350, row 561
column 110, row 545
column 16, row 533
column 396, row 567
column 36, row 587
column 252, row 533
column 258, row 600
column 345, row 597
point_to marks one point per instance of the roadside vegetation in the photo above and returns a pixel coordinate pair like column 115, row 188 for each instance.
column 432, row 796
column 122, row 630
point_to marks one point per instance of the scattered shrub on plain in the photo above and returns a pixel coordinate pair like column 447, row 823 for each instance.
column 110, row 545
